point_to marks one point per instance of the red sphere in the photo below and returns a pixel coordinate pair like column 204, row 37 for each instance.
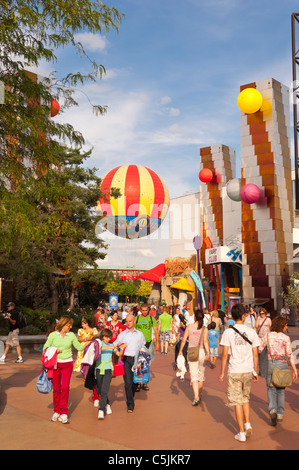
column 54, row 108
column 205, row 175
column 250, row 193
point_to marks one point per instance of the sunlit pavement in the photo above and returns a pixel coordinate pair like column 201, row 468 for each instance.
column 163, row 418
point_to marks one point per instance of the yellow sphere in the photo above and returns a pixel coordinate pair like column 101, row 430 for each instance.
column 250, row 100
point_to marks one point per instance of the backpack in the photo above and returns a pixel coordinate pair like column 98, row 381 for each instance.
column 21, row 321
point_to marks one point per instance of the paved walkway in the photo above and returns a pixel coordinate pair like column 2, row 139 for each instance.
column 163, row 418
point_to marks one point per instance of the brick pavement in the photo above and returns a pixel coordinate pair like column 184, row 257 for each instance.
column 163, row 418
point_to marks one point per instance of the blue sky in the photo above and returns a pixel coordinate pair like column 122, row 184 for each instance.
column 173, row 77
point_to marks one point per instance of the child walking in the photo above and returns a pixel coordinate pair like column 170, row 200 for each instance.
column 214, row 338
column 104, row 370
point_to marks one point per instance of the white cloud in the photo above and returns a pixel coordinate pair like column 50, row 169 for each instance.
column 165, row 100
column 92, row 42
column 174, row 112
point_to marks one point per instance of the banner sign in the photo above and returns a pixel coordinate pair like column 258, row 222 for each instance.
column 223, row 254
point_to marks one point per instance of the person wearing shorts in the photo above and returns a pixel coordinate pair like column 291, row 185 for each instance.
column 243, row 343
column 213, row 337
column 13, row 335
column 165, row 324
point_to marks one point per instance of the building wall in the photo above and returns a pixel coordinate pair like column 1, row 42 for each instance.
column 221, row 160
column 267, row 226
column 184, row 222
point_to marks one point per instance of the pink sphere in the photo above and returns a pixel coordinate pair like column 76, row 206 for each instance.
column 205, row 175
column 250, row 193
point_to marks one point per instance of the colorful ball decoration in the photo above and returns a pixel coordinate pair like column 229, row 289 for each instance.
column 250, row 100
column 250, row 193
column 233, row 189
column 205, row 175
column 142, row 206
column 55, row 107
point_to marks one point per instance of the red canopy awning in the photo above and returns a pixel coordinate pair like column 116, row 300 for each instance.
column 154, row 274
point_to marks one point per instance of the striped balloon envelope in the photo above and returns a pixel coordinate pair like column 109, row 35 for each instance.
column 142, row 206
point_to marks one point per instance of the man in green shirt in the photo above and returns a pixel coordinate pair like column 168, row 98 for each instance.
column 165, row 328
column 146, row 323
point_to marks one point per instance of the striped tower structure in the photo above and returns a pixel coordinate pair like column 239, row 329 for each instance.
column 221, row 160
column 267, row 226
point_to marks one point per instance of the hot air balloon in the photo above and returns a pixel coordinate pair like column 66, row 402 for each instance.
column 142, row 206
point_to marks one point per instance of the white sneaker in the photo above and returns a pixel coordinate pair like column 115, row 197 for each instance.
column 2, row 359
column 241, row 436
column 96, row 403
column 101, row 414
column 55, row 417
column 108, row 410
column 248, row 429
column 19, row 360
column 63, row 419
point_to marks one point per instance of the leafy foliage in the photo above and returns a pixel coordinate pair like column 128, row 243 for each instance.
column 291, row 293
column 47, row 218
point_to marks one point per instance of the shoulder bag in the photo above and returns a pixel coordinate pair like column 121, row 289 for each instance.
column 193, row 352
column 281, row 378
column 241, row 334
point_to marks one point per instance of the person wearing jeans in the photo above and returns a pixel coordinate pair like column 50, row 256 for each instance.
column 280, row 354
column 133, row 341
column 62, row 339
column 104, row 369
column 276, row 396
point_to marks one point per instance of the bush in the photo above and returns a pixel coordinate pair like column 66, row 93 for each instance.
column 41, row 321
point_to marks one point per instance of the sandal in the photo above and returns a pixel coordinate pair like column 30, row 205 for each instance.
column 145, row 387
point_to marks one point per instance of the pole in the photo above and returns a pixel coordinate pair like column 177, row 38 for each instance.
column 222, row 287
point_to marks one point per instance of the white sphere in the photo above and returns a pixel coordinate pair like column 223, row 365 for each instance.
column 233, row 189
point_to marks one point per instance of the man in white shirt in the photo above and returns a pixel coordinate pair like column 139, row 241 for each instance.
column 243, row 343
column 134, row 341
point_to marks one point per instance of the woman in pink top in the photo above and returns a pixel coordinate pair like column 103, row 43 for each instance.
column 282, row 354
column 263, row 324
column 197, row 368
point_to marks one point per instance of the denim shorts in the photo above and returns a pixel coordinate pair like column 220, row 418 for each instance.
column 214, row 352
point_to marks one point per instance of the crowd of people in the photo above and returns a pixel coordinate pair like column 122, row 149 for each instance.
column 251, row 344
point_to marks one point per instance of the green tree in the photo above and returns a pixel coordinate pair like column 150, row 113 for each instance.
column 144, row 289
column 291, row 293
column 47, row 222
column 61, row 205
column 32, row 31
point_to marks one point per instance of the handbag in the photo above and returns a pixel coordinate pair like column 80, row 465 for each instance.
column 193, row 352
column 141, row 373
column 43, row 384
column 281, row 378
column 118, row 368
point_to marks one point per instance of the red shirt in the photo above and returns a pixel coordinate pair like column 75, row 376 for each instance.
column 116, row 329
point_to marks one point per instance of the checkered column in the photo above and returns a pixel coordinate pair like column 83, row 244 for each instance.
column 267, row 226
column 222, row 161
